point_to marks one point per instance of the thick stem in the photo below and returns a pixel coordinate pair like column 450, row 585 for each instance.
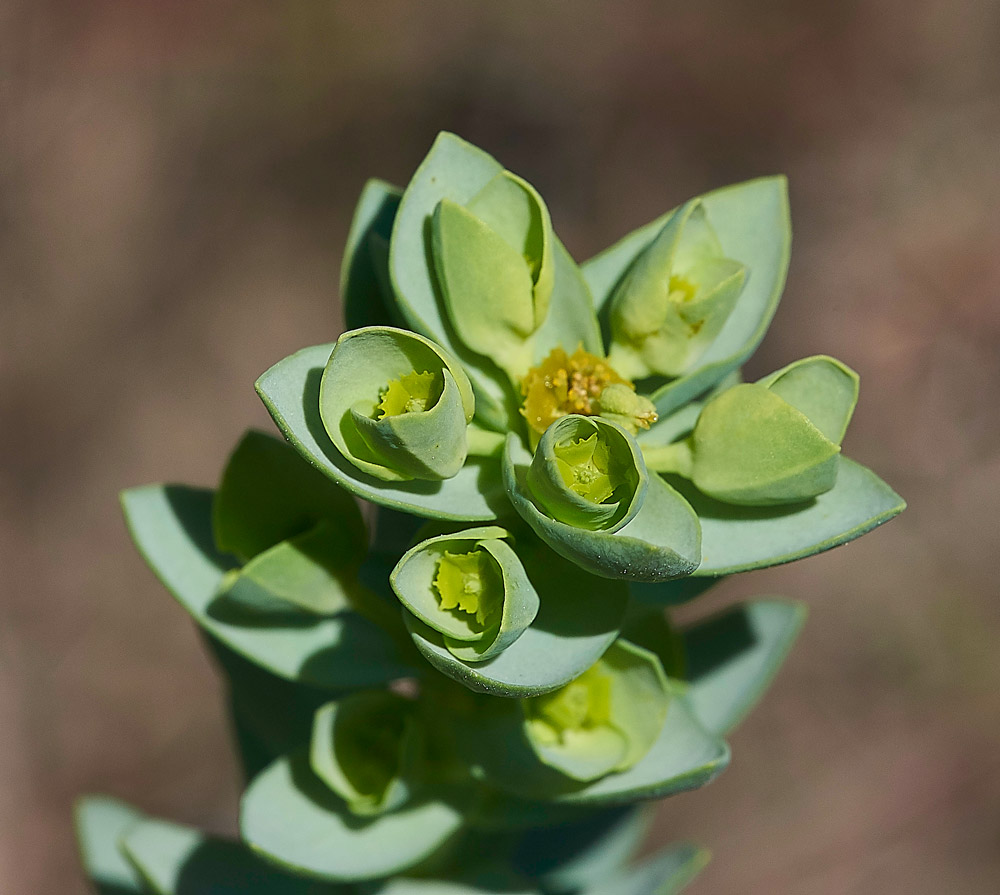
column 674, row 458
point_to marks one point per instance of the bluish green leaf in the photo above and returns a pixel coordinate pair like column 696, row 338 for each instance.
column 578, row 619
column 738, row 539
column 666, row 873
column 290, row 818
column 100, row 823
column 290, row 391
column 267, row 495
column 661, row 542
column 752, row 222
column 177, row 860
column 171, row 526
column 568, row 857
column 365, row 292
column 431, row 886
column 733, row 656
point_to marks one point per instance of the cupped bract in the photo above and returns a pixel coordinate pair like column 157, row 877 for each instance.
column 775, row 441
column 471, row 588
column 365, row 747
column 606, row 720
column 494, row 264
column 674, row 299
column 588, row 472
column 396, row 405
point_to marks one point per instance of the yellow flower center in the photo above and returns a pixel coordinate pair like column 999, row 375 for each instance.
column 411, row 393
column 469, row 583
column 563, row 384
column 581, row 705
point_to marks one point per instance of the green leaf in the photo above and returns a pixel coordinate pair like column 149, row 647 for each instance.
column 404, row 886
column 456, row 170
column 752, row 223
column 177, row 860
column 304, row 573
column 733, row 656
column 364, row 271
column 568, row 857
column 685, row 756
column 290, row 818
column 578, row 618
column 290, row 391
column 738, row 539
column 100, row 823
column 661, row 542
column 267, row 494
column 372, row 368
column 171, row 526
column 666, row 873
column 417, row 581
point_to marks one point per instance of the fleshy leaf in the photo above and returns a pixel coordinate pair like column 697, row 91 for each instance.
column 684, row 756
column 290, row 818
column 661, row 542
column 752, row 223
column 578, row 618
column 267, row 494
column 738, row 539
column 290, row 391
column 171, row 526
column 733, row 656
column 568, row 857
column 396, row 405
column 457, row 170
column 666, row 873
column 178, row 860
column 304, row 573
column 486, row 609
column 364, row 747
column 418, row 886
column 365, row 292
column 100, row 823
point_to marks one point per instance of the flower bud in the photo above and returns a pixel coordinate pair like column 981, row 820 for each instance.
column 674, row 299
column 589, row 473
column 396, row 405
column 493, row 258
column 471, row 588
column 620, row 404
column 606, row 720
column 364, row 747
column 775, row 441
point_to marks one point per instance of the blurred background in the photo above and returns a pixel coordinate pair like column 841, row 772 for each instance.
column 176, row 182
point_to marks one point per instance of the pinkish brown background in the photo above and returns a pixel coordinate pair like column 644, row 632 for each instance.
column 176, row 180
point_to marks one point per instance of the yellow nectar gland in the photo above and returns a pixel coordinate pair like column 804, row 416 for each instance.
column 563, row 384
column 581, row 705
column 411, row 393
column 468, row 582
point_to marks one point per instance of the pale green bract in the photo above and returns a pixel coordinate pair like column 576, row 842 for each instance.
column 554, row 456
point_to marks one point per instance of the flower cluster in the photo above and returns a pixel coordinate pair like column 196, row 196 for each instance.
column 475, row 697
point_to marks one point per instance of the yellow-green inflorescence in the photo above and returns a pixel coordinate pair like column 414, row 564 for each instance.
column 411, row 393
column 470, row 583
column 582, row 704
